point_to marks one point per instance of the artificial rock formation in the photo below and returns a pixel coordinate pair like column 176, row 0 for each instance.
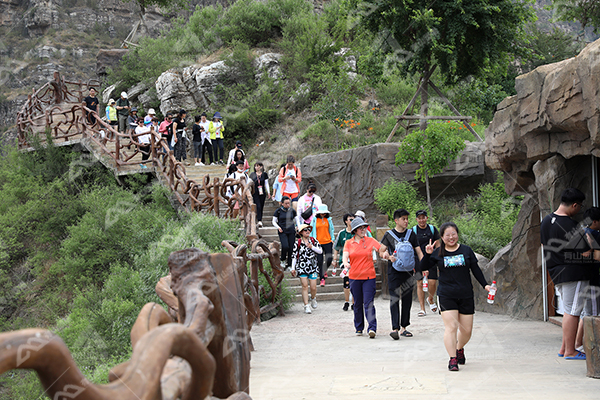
column 543, row 139
column 361, row 170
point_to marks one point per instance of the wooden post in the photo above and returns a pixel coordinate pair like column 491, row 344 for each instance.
column 591, row 345
column 454, row 110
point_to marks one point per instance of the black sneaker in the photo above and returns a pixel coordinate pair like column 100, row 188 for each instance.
column 352, row 307
column 395, row 335
column 453, row 364
column 346, row 305
column 460, row 356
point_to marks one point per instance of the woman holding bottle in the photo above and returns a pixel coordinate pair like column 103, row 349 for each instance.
column 455, row 263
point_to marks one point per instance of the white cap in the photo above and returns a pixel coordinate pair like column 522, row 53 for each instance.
column 111, row 101
column 360, row 213
column 124, row 95
column 151, row 111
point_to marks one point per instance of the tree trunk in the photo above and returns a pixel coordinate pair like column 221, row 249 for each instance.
column 428, row 194
column 424, row 98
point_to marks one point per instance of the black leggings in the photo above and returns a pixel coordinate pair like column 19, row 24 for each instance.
column 259, row 200
column 328, row 256
column 218, row 147
column 287, row 246
column 206, row 146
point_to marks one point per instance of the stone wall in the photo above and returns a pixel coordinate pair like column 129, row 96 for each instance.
column 543, row 138
column 347, row 179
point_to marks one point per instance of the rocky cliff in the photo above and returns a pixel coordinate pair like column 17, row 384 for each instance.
column 543, row 138
column 351, row 176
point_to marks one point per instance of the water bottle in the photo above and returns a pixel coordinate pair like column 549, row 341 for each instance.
column 333, row 271
column 425, row 284
column 492, row 293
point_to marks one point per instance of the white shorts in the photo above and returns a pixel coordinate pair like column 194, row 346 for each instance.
column 578, row 299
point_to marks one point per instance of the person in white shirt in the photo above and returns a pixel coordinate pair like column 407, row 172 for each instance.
column 143, row 130
column 306, row 201
column 231, row 158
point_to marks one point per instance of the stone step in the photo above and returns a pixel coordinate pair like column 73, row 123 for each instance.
column 329, row 297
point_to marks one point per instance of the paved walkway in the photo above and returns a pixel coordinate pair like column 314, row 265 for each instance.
column 318, row 356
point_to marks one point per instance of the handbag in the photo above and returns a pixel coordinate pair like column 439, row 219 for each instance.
column 306, row 214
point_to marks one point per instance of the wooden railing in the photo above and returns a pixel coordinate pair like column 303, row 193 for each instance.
column 56, row 109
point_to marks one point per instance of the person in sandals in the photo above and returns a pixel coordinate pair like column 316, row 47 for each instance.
column 304, row 264
column 426, row 232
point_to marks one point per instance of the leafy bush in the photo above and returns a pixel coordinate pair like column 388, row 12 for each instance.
column 397, row 91
column 398, row 194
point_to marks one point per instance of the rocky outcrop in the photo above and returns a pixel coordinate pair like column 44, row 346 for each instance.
column 543, row 139
column 362, row 170
column 193, row 87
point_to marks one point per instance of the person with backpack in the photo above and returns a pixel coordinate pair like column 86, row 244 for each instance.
column 402, row 243
column 426, row 232
column 178, row 141
column 284, row 221
column 322, row 225
column 358, row 266
column 165, row 129
column 304, row 264
column 290, row 177
column 216, row 129
column 338, row 246
column 308, row 204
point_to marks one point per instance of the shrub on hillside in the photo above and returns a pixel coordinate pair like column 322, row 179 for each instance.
column 398, row 194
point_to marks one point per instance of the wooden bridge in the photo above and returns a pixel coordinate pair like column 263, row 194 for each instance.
column 56, row 111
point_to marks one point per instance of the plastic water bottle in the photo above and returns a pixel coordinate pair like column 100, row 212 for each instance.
column 425, row 284
column 492, row 293
column 333, row 272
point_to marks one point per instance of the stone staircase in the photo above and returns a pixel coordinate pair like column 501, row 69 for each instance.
column 333, row 289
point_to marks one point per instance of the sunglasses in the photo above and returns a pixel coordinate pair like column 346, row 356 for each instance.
column 306, row 230
column 311, row 191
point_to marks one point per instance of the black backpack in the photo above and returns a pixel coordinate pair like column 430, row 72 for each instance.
column 169, row 133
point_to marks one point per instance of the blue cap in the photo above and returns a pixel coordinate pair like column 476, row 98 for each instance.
column 217, row 115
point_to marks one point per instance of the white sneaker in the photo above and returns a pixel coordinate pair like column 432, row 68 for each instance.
column 212, row 163
column 260, row 225
column 201, row 164
column 197, row 165
column 313, row 302
column 307, row 309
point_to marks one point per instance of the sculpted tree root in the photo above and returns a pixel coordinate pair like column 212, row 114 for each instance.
column 206, row 354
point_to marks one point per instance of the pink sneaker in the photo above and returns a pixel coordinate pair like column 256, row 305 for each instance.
column 322, row 282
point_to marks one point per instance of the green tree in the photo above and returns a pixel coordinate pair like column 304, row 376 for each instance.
column 464, row 38
column 586, row 12
column 433, row 149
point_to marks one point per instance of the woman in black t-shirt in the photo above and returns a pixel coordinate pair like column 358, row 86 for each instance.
column 455, row 264
column 261, row 190
column 178, row 127
column 284, row 221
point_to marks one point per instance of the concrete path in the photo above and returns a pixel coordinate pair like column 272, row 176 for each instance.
column 318, row 356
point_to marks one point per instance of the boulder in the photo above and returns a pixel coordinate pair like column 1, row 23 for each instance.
column 109, row 58
column 362, row 170
column 172, row 93
column 268, row 63
column 542, row 139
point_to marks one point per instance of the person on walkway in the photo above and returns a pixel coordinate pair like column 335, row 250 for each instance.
column 322, row 230
column 563, row 243
column 91, row 102
column 132, row 121
column 424, row 233
column 308, row 203
column 402, row 243
column 197, row 141
column 283, row 220
column 361, row 214
column 304, row 264
column 111, row 113
column 261, row 190
column 231, row 157
column 164, row 130
column 358, row 265
column 143, row 130
column 455, row 262
column 149, row 116
column 338, row 247
column 239, row 156
column 178, row 129
column 278, row 189
column 216, row 130
column 123, row 108
column 207, row 144
column 290, row 176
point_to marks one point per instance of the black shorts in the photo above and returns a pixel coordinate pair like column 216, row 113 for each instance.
column 346, row 282
column 464, row 306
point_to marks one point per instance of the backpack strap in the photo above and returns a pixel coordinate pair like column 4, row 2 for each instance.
column 414, row 228
column 431, row 229
column 392, row 234
column 407, row 236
